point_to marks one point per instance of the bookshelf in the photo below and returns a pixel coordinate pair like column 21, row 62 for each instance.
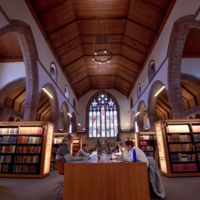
column 146, row 141
column 179, row 147
column 25, row 149
column 77, row 144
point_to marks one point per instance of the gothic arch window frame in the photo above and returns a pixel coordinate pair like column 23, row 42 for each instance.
column 53, row 71
column 92, row 127
column 151, row 69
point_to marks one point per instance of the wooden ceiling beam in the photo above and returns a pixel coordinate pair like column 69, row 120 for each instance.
column 57, row 29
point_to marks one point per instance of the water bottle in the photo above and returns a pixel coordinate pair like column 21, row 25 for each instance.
column 134, row 156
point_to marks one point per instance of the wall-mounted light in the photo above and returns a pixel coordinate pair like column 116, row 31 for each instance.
column 79, row 124
column 48, row 93
column 69, row 114
column 159, row 91
column 137, row 114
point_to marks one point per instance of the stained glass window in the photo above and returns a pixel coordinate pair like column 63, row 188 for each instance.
column 102, row 116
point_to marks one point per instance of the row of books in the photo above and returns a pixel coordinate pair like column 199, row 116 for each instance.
column 197, row 147
column 180, row 147
column 7, row 149
column 26, row 159
column 195, row 128
column 196, row 137
column 28, row 149
column 30, row 130
column 9, row 131
column 189, row 167
column 147, row 148
column 29, row 140
column 4, row 167
column 179, row 138
column 8, row 140
column 57, row 140
column 180, row 157
column 5, row 159
column 146, row 137
column 198, row 156
column 146, row 142
column 25, row 169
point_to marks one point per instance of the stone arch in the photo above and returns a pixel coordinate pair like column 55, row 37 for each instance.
column 8, row 88
column 142, row 109
column 64, row 120
column 54, row 104
column 175, row 50
column 132, row 121
column 152, row 101
column 30, row 56
column 73, row 122
column 5, row 92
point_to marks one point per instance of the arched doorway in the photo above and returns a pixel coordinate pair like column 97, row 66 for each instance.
column 21, row 31
column 175, row 53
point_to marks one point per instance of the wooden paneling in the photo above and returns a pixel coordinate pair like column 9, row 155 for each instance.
column 10, row 50
column 103, row 181
column 72, row 28
column 192, row 45
column 100, row 9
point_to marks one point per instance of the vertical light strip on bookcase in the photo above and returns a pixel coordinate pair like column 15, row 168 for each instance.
column 161, row 150
column 48, row 147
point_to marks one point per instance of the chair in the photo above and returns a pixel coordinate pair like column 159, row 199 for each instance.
column 60, row 169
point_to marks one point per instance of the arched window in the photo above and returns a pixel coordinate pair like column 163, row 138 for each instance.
column 103, row 116
column 151, row 70
column 53, row 71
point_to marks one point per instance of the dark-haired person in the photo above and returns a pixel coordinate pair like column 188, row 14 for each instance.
column 63, row 151
column 83, row 152
column 128, row 153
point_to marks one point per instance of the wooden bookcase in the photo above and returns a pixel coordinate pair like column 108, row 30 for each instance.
column 146, row 141
column 179, row 147
column 25, row 149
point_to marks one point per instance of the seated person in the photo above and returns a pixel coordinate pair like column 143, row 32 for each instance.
column 84, row 151
column 128, row 153
column 63, row 151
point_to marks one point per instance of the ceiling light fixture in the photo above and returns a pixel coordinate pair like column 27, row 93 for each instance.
column 159, row 91
column 47, row 92
column 101, row 52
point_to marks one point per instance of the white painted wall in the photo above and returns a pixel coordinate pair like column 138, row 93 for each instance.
column 191, row 66
column 45, row 55
column 159, row 53
column 10, row 72
column 124, row 105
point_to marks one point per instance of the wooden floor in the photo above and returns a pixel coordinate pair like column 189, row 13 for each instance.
column 42, row 189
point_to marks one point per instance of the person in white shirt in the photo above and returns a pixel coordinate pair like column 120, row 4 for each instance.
column 128, row 153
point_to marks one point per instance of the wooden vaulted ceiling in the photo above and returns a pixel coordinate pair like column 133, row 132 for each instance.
column 10, row 50
column 131, row 28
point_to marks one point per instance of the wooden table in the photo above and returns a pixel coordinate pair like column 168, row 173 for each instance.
column 106, row 181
